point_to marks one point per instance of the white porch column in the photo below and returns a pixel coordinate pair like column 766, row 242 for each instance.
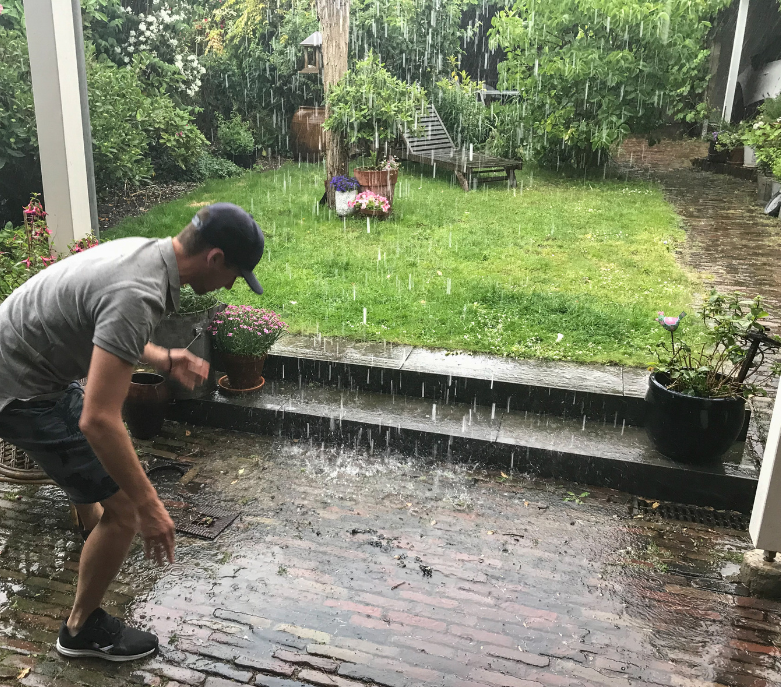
column 51, row 39
column 734, row 63
column 765, row 526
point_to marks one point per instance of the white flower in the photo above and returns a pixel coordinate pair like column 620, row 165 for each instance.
column 141, row 17
column 192, row 58
column 757, row 125
column 130, row 48
column 174, row 42
column 127, row 59
column 559, row 337
column 132, row 33
column 117, row 50
column 142, row 26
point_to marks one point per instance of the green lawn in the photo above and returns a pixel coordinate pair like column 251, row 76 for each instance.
column 592, row 261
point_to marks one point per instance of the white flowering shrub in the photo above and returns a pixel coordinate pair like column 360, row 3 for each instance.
column 165, row 33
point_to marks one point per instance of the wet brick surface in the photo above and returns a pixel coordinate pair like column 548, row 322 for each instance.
column 346, row 569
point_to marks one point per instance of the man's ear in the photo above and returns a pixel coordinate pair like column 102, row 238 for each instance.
column 215, row 257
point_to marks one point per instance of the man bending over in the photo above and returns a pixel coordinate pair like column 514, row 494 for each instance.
column 92, row 314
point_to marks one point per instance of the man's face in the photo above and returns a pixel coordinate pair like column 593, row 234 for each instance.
column 217, row 274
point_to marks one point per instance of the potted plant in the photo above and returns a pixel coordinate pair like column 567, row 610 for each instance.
column 370, row 204
column 186, row 328
column 369, row 107
column 243, row 336
column 697, row 392
column 345, row 190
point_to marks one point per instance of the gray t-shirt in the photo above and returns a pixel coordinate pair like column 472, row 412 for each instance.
column 111, row 296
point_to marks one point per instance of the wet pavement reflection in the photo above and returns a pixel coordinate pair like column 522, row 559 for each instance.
column 349, row 570
column 729, row 236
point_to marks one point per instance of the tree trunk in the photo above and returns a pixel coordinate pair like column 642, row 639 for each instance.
column 334, row 18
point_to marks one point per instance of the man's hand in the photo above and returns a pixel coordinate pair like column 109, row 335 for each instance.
column 188, row 369
column 157, row 529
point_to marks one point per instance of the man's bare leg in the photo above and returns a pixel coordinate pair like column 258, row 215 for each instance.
column 102, row 556
column 89, row 514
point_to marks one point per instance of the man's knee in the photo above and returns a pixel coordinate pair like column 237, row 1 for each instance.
column 119, row 511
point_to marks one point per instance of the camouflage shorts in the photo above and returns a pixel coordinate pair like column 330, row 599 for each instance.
column 48, row 431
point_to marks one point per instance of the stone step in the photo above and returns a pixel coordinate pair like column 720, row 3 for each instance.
column 607, row 453
column 601, row 393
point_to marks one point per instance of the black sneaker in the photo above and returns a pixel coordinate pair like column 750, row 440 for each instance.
column 106, row 637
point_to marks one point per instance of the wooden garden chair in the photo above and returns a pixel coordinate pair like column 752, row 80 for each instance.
column 435, row 147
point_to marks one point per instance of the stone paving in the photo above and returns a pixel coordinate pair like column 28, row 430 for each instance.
column 346, row 569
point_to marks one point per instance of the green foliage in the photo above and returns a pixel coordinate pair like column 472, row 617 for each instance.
column 368, row 105
column 506, row 133
column 764, row 135
column 18, row 135
column 711, row 369
column 191, row 302
column 465, row 118
column 235, row 136
column 136, row 135
column 413, row 38
column 592, row 71
column 210, row 166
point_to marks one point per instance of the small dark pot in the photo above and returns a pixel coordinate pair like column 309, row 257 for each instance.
column 146, row 404
column 690, row 429
column 717, row 155
column 244, row 371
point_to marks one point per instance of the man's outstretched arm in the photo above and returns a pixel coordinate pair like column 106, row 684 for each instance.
column 101, row 423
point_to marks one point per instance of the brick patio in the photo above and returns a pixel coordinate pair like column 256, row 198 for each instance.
column 347, row 570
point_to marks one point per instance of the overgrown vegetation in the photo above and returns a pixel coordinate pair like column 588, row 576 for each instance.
column 590, row 72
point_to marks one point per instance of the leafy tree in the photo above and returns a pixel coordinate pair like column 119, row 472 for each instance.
column 592, row 71
column 413, row 38
column 368, row 105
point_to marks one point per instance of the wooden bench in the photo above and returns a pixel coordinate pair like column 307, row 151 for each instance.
column 435, row 147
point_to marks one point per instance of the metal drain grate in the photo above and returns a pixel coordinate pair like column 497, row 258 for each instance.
column 205, row 522
column 685, row 513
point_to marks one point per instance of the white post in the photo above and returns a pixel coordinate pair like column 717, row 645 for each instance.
column 51, row 39
column 734, row 63
column 765, row 526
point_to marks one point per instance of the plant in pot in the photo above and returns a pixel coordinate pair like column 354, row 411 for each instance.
column 697, row 392
column 369, row 107
column 186, row 328
column 764, row 136
column 345, row 190
column 370, row 204
column 243, row 336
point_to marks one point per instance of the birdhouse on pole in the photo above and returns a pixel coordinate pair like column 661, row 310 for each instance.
column 313, row 52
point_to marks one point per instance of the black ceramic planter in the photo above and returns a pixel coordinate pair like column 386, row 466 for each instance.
column 690, row 429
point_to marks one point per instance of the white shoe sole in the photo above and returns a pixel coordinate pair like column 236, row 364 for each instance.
column 93, row 653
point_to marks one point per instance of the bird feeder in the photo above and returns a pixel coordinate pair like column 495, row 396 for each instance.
column 313, row 51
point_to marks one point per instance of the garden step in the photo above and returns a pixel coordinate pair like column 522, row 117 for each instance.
column 600, row 453
column 599, row 392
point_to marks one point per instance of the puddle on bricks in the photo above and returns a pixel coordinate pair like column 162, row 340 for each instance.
column 328, row 534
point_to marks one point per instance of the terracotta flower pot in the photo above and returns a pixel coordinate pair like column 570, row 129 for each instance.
column 373, row 213
column 244, row 371
column 146, row 404
column 380, row 182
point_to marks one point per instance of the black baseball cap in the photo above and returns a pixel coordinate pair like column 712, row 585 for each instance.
column 232, row 229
